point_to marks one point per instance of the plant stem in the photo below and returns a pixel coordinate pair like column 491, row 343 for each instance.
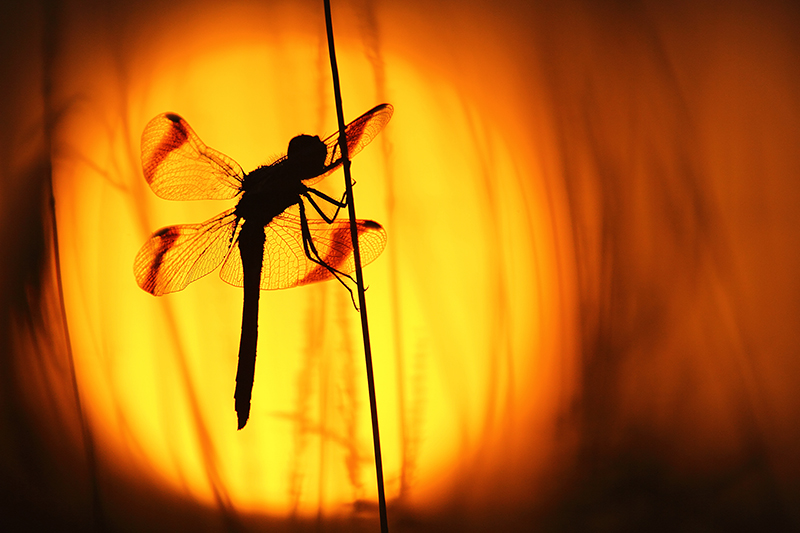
column 362, row 302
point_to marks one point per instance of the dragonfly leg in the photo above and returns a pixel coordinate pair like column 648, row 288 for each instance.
column 233, row 230
column 339, row 204
column 312, row 253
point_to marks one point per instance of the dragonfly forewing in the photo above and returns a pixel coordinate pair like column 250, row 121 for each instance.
column 179, row 166
column 359, row 132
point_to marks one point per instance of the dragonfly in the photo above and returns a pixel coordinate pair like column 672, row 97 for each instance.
column 264, row 242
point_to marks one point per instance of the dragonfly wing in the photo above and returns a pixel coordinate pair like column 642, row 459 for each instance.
column 359, row 132
column 335, row 247
column 285, row 263
column 175, row 256
column 178, row 166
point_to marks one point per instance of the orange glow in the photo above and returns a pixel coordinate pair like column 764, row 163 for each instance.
column 585, row 314
column 307, row 448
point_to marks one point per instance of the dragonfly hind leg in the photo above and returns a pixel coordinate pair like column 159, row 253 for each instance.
column 311, row 252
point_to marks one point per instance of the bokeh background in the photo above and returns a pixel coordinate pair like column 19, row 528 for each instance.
column 585, row 319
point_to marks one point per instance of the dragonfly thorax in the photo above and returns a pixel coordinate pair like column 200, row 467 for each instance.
column 271, row 189
column 268, row 192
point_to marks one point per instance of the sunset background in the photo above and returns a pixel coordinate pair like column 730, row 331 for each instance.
column 585, row 319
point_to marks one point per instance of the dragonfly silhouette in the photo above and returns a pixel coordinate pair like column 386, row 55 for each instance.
column 260, row 243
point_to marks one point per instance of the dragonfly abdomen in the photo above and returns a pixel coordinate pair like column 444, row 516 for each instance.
column 251, row 248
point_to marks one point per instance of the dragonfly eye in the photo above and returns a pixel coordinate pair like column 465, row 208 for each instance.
column 307, row 155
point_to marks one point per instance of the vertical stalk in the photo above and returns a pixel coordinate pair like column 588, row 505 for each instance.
column 362, row 302
column 52, row 11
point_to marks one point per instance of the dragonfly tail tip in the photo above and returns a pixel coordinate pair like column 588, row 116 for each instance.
column 242, row 417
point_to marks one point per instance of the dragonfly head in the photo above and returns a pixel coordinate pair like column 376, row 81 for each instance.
column 306, row 155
